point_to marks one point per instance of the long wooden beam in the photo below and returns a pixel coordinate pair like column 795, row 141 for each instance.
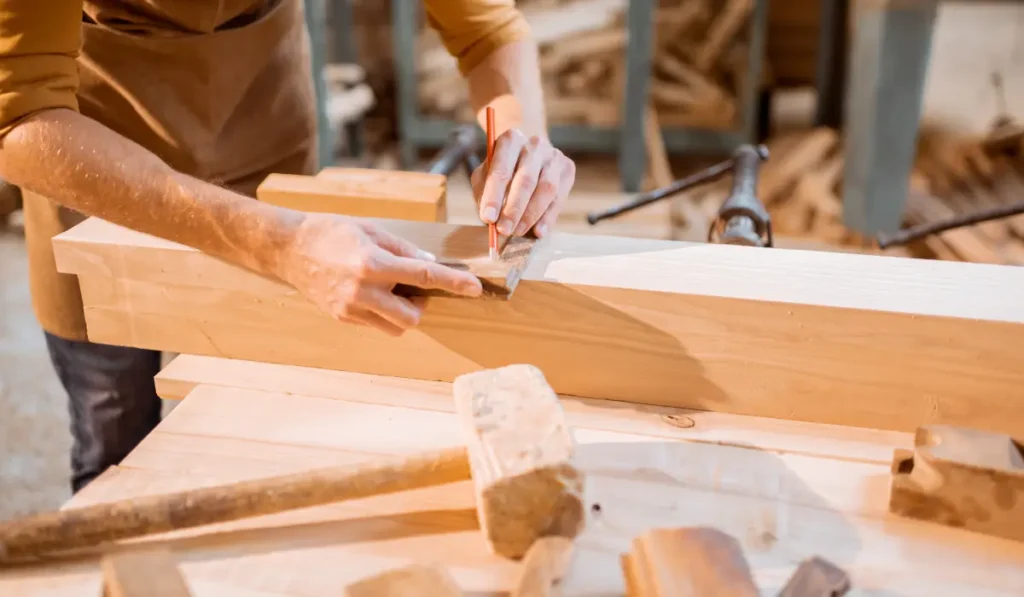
column 837, row 338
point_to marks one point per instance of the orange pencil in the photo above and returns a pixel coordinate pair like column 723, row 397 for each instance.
column 492, row 229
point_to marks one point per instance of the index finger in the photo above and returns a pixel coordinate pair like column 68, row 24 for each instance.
column 428, row 275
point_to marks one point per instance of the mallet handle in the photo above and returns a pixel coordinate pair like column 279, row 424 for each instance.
column 91, row 526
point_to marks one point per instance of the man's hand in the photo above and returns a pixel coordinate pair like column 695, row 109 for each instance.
column 537, row 178
column 349, row 267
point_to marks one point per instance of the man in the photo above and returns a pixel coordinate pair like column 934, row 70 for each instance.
column 163, row 115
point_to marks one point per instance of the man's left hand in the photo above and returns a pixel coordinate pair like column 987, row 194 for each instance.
column 531, row 176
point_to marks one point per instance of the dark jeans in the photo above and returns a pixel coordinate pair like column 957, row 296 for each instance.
column 112, row 399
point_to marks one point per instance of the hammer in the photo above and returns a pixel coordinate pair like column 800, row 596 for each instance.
column 518, row 455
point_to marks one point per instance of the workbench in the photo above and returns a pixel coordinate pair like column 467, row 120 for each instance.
column 762, row 392
column 786, row 490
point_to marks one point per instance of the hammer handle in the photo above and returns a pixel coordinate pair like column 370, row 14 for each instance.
column 91, row 526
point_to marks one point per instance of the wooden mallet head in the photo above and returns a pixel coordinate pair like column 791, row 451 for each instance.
column 520, row 454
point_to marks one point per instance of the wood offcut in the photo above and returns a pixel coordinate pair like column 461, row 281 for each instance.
column 817, row 577
column 416, row 196
column 962, row 478
column 687, row 562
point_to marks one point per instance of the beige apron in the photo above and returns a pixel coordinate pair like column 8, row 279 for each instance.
column 229, row 107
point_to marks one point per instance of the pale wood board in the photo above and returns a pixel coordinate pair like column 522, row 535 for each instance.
column 186, row 372
column 836, row 338
column 782, row 508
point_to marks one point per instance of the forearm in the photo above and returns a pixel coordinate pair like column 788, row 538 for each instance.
column 513, row 69
column 85, row 166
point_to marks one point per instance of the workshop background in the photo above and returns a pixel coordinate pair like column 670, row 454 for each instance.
column 641, row 93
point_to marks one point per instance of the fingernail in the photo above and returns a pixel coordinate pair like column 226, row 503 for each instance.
column 426, row 255
column 490, row 215
column 505, row 227
column 520, row 229
column 540, row 230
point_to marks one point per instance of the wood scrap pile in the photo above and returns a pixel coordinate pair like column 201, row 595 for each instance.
column 801, row 187
column 954, row 176
column 698, row 66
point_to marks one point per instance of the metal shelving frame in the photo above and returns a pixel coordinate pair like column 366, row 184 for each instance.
column 417, row 131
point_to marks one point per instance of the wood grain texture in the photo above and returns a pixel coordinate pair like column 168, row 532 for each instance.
column 144, row 573
column 417, row 580
column 836, row 338
column 962, row 478
column 782, row 507
column 687, row 562
column 521, row 454
column 361, row 193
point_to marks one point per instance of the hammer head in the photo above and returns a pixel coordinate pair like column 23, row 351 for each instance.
column 520, row 454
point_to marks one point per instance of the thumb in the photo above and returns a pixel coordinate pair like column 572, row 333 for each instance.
column 399, row 246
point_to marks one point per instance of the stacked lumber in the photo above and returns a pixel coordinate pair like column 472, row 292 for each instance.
column 698, row 65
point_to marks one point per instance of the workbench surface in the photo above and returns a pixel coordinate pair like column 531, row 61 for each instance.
column 785, row 490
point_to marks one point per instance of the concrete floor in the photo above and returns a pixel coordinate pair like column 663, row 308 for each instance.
column 34, row 436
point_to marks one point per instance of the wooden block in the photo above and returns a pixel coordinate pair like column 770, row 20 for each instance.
column 817, row 577
column 521, row 454
column 362, row 195
column 146, row 573
column 417, row 580
column 687, row 562
column 543, row 567
column 962, row 478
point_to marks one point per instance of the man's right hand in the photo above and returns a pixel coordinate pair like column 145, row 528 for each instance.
column 349, row 268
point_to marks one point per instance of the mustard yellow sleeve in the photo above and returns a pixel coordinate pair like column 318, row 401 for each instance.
column 472, row 29
column 39, row 41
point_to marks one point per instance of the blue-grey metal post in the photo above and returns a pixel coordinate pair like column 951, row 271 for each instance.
column 314, row 10
column 891, row 46
column 639, row 51
column 403, row 32
column 343, row 50
column 748, row 96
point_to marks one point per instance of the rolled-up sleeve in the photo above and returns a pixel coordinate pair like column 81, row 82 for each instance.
column 472, row 29
column 39, row 41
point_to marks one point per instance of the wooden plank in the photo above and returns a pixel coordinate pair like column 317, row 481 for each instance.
column 385, row 195
column 186, row 372
column 636, row 484
column 891, row 46
column 802, row 335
